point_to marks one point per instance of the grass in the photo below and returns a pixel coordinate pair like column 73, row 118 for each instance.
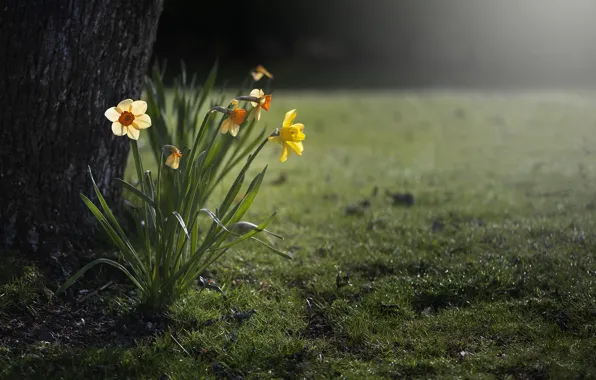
column 489, row 274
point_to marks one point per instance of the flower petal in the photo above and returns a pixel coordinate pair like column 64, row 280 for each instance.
column 256, row 76
column 112, row 114
column 297, row 147
column 234, row 129
column 284, row 153
column 176, row 162
column 257, row 93
column 119, row 129
column 300, row 135
column 257, row 113
column 139, row 107
column 225, row 126
column 170, row 160
column 133, row 133
column 289, row 118
column 262, row 69
column 142, row 122
column 276, row 139
column 124, row 105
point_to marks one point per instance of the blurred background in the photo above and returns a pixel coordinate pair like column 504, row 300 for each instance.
column 337, row 44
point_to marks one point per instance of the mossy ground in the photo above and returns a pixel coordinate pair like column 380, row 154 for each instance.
column 490, row 273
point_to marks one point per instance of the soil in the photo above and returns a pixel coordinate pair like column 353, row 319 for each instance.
column 81, row 317
column 77, row 324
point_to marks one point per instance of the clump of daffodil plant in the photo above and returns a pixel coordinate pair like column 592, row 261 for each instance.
column 177, row 118
column 168, row 252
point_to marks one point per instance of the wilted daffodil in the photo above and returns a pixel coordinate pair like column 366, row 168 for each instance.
column 235, row 118
column 258, row 73
column 173, row 159
column 128, row 118
column 290, row 136
column 264, row 102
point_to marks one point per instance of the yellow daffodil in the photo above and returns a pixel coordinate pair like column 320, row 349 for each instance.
column 290, row 136
column 235, row 118
column 264, row 102
column 258, row 73
column 173, row 159
column 128, row 118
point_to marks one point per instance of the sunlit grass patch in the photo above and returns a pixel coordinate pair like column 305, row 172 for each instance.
column 488, row 272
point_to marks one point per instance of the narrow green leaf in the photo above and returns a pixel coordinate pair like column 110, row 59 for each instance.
column 104, row 205
column 247, row 226
column 137, row 192
column 127, row 250
column 120, row 237
column 240, row 178
column 273, row 249
column 181, row 222
column 71, row 280
column 248, row 235
column 247, row 200
column 232, row 193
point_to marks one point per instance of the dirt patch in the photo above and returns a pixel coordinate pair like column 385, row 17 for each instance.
column 32, row 314
column 78, row 325
column 318, row 327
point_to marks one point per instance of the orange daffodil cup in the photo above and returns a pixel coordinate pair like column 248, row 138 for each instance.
column 290, row 136
column 128, row 118
column 257, row 99
column 236, row 117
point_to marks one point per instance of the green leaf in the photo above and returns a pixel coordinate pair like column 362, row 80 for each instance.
column 247, row 200
column 214, row 218
column 273, row 249
column 181, row 222
column 126, row 249
column 104, row 205
column 248, row 235
column 238, row 155
column 232, row 193
column 250, row 226
column 137, row 192
column 71, row 280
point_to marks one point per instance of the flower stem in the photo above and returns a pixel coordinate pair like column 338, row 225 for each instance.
column 138, row 163
column 139, row 167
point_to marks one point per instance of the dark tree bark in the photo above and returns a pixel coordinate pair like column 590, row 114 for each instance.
column 62, row 64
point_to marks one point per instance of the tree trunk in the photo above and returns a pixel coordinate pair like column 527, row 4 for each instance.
column 62, row 64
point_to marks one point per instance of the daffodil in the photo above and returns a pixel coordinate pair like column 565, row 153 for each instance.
column 290, row 136
column 258, row 73
column 235, row 118
column 263, row 102
column 128, row 118
column 173, row 159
